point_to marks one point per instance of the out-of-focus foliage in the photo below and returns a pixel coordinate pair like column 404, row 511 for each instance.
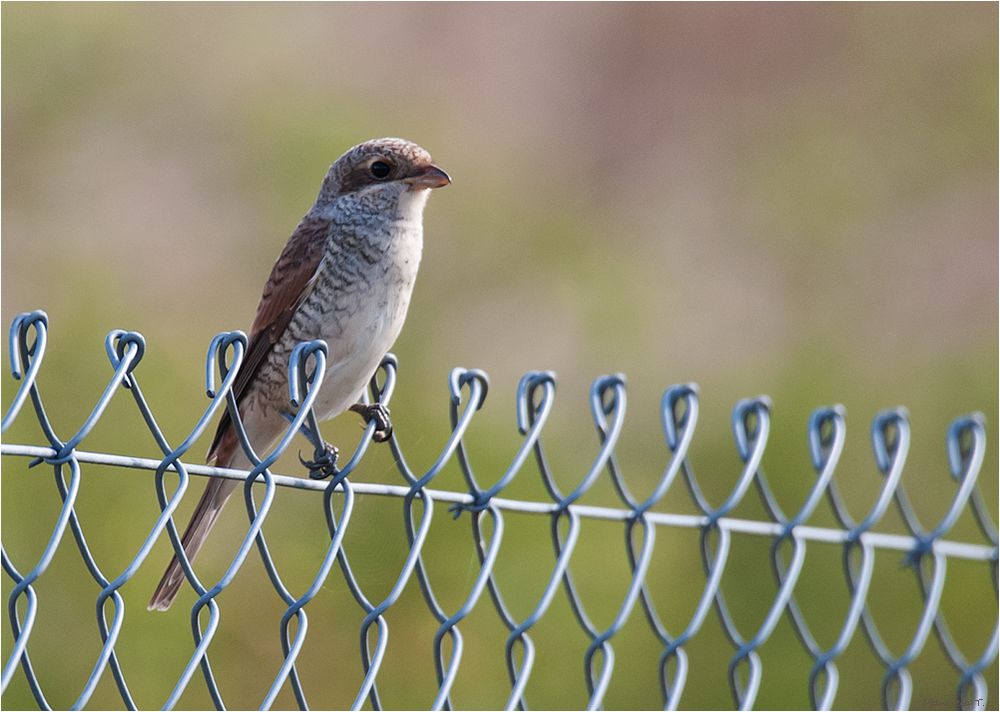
column 798, row 199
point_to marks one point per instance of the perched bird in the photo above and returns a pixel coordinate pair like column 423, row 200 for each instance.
column 346, row 276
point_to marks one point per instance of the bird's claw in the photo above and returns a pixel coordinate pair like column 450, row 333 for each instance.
column 325, row 464
column 379, row 414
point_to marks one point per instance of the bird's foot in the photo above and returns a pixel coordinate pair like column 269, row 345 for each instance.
column 379, row 414
column 325, row 464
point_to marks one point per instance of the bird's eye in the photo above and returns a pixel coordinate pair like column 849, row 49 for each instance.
column 380, row 170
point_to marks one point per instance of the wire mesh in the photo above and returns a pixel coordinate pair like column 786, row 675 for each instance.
column 926, row 549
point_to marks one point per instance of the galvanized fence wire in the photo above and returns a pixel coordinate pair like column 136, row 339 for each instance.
column 927, row 548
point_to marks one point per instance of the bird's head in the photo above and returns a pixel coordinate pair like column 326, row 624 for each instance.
column 382, row 167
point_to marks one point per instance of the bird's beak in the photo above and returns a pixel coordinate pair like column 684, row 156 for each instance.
column 429, row 176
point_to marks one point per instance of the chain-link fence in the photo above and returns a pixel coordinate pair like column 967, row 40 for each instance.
column 925, row 551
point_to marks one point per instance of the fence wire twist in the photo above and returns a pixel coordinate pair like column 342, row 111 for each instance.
column 926, row 548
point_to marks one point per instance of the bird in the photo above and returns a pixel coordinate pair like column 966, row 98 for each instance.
column 345, row 275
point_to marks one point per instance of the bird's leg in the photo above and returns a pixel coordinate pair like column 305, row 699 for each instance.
column 325, row 463
column 380, row 415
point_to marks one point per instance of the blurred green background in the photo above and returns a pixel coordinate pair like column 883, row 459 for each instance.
column 798, row 200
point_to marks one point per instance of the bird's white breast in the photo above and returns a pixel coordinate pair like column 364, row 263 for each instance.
column 375, row 313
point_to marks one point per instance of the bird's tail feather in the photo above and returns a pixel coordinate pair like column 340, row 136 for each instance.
column 205, row 514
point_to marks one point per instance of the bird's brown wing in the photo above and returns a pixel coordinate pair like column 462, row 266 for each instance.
column 291, row 280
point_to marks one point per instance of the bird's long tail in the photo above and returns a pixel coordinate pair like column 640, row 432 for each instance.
column 205, row 514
